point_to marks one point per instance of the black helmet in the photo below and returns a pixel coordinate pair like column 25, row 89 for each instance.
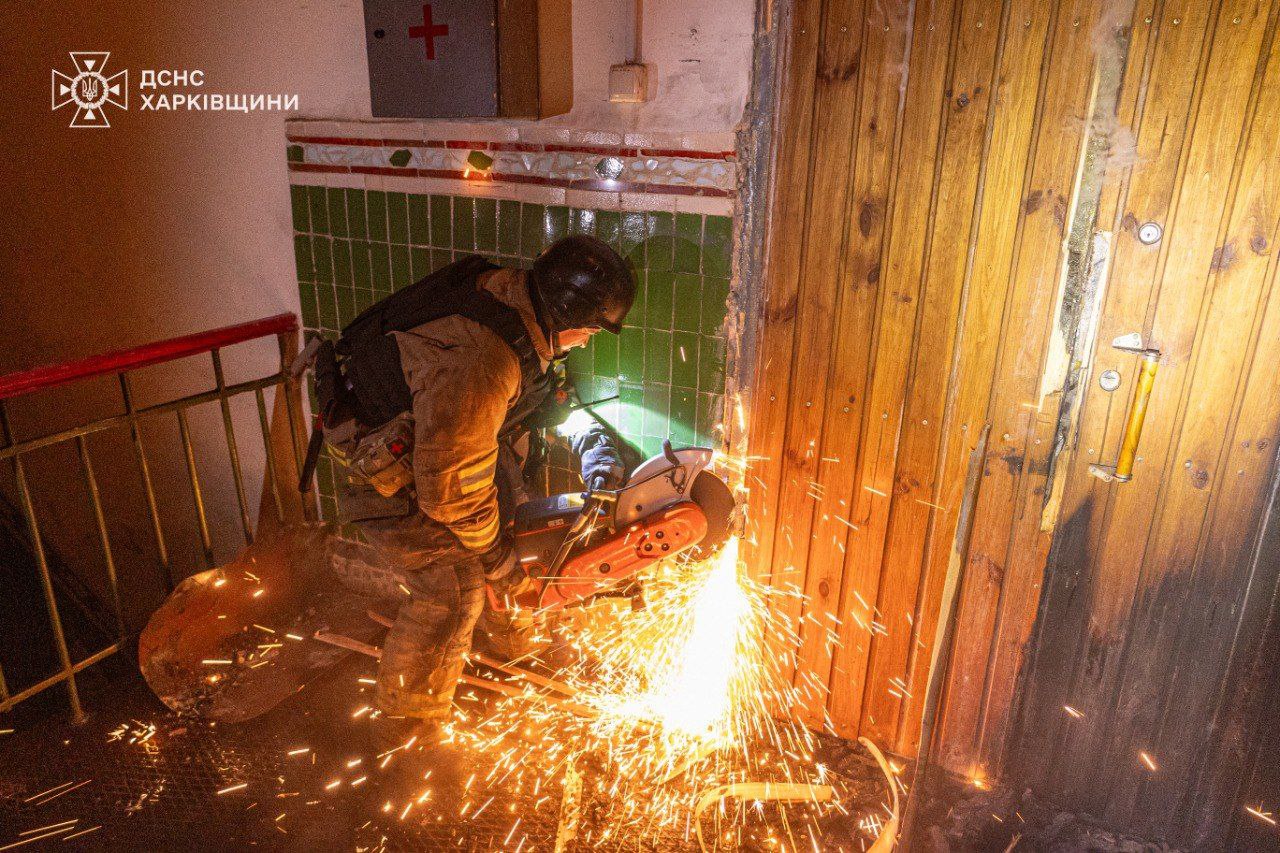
column 581, row 282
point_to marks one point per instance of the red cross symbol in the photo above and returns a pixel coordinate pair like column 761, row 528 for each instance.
column 428, row 31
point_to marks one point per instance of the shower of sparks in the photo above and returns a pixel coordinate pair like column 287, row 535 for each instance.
column 683, row 695
column 1261, row 815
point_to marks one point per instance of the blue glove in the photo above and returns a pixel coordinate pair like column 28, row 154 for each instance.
column 602, row 466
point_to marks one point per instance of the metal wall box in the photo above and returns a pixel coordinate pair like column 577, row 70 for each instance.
column 463, row 59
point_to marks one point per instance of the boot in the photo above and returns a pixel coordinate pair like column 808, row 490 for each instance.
column 417, row 756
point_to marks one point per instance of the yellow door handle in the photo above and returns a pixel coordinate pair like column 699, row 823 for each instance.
column 1122, row 471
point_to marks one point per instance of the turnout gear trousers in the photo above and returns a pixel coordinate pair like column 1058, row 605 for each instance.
column 469, row 387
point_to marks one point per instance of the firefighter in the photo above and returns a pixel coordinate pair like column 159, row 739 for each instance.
column 456, row 367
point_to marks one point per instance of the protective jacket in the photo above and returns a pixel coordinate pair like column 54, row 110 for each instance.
column 470, row 378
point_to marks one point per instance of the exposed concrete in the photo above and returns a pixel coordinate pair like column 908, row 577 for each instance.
column 757, row 155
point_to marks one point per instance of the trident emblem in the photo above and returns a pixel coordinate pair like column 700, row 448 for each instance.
column 90, row 89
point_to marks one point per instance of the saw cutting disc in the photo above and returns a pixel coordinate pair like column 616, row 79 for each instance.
column 714, row 498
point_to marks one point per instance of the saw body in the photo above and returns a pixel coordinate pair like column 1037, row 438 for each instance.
column 575, row 546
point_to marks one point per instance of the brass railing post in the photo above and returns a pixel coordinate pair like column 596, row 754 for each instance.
column 193, row 474
column 46, row 582
column 288, row 342
column 126, row 392
column 104, row 538
column 229, row 428
column 265, row 423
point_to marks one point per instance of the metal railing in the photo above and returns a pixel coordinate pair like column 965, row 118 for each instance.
column 121, row 363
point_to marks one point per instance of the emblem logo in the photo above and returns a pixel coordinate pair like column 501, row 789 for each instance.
column 90, row 89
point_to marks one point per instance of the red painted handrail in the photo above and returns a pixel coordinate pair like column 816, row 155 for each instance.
column 117, row 361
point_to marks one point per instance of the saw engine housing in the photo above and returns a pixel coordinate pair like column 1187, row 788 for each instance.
column 573, row 546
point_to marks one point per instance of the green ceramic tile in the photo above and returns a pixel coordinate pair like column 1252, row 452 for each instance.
column 717, row 246
column 441, row 222
column 631, row 419
column 464, row 225
column 342, row 264
column 337, row 212
column 486, row 226
column 322, row 257
column 659, row 248
column 688, row 249
column 420, row 220
column 420, row 262
column 688, row 302
column 397, row 217
column 710, row 364
column 307, row 301
column 630, row 354
column 715, row 295
column 684, row 360
column 606, row 355
column 657, row 355
column 376, row 203
column 659, row 297
column 580, row 362
column 634, row 231
column 302, row 258
column 556, row 224
column 531, row 229
column 710, row 415
column 609, row 227
column 346, row 305
column 327, row 306
column 357, row 215
column 319, row 210
column 508, row 227
column 361, row 275
column 380, row 268
column 364, row 298
column 604, row 387
column 440, row 258
column 636, row 316
column 401, row 274
column 684, row 416
column 657, row 404
column 582, row 221
column 299, row 205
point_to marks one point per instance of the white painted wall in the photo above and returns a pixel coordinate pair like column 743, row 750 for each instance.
column 699, row 58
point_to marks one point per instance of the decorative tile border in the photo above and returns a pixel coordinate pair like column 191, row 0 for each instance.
column 555, row 170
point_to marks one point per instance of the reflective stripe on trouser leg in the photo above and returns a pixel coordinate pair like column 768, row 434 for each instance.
column 426, row 646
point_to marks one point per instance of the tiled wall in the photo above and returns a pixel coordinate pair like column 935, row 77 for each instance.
column 355, row 246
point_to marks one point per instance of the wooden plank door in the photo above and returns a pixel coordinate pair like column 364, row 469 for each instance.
column 1155, row 586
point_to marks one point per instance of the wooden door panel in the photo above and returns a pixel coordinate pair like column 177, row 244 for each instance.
column 932, row 159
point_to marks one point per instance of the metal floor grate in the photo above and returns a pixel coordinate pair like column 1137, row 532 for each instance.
column 150, row 780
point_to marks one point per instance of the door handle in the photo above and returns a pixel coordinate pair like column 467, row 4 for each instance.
column 1122, row 471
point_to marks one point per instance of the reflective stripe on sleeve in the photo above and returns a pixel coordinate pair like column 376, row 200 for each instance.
column 480, row 537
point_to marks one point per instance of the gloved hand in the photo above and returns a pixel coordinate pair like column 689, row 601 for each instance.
column 500, row 560
column 601, row 469
column 602, row 466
